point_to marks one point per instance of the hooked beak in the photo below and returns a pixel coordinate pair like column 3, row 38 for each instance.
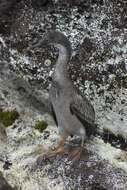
column 42, row 42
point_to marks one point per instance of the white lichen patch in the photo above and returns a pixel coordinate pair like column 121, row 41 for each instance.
column 2, row 41
column 22, row 180
column 115, row 156
column 47, row 62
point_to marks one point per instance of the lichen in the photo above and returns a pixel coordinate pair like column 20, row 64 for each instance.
column 8, row 117
column 40, row 125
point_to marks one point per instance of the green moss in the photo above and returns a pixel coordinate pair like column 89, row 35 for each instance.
column 40, row 125
column 106, row 129
column 8, row 117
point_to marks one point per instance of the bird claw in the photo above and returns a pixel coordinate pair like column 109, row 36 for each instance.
column 75, row 154
column 40, row 159
column 49, row 154
column 54, row 152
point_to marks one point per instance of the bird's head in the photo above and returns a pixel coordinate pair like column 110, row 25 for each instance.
column 54, row 37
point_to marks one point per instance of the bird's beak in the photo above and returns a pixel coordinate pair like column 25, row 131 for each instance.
column 42, row 43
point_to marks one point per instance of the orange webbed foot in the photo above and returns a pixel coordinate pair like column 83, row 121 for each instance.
column 60, row 149
column 75, row 154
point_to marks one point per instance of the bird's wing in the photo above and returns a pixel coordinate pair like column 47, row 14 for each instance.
column 82, row 109
column 53, row 114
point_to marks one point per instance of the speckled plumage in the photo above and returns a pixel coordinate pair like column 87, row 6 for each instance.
column 72, row 112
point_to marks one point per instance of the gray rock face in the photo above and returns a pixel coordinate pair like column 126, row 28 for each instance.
column 98, row 68
column 24, row 144
column 25, row 91
column 3, row 137
column 5, row 5
column 4, row 185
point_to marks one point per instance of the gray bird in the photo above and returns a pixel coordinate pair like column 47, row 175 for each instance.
column 72, row 112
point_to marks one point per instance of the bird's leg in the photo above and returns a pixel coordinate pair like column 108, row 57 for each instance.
column 58, row 149
column 54, row 152
column 76, row 153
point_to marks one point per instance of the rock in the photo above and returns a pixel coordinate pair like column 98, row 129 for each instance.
column 39, row 3
column 98, row 68
column 3, row 137
column 3, row 184
column 5, row 5
column 26, row 92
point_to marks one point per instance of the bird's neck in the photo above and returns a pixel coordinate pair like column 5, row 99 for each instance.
column 61, row 71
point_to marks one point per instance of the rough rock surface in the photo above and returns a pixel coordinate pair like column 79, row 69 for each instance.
column 97, row 31
column 4, row 185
